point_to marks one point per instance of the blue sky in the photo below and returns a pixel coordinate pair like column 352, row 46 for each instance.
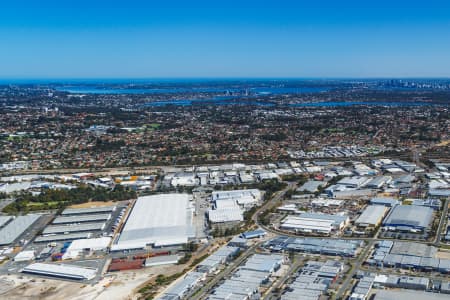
column 159, row 39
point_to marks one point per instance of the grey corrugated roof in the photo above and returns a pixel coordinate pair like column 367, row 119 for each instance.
column 4, row 220
column 15, row 228
column 408, row 295
column 62, row 237
column 73, row 228
column 372, row 215
column 81, row 218
column 90, row 210
column 409, row 215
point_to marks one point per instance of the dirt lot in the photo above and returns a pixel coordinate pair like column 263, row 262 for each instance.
column 443, row 254
column 93, row 204
column 120, row 285
column 39, row 288
column 117, row 285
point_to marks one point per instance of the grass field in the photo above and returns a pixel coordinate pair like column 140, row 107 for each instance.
column 37, row 205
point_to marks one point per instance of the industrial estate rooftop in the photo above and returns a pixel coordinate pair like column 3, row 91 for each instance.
column 409, row 217
column 158, row 220
column 16, row 227
column 61, row 270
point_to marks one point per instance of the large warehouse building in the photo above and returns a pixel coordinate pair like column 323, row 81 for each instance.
column 246, row 199
column 157, row 220
column 61, row 271
column 81, row 218
column 409, row 218
column 88, row 210
column 371, row 216
column 62, row 229
column 15, row 228
column 315, row 223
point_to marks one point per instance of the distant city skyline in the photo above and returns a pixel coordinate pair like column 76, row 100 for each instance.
column 224, row 39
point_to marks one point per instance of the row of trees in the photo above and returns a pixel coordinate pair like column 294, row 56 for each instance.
column 53, row 199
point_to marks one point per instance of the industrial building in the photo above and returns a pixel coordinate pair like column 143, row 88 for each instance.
column 408, row 256
column 253, row 234
column 246, row 280
column 61, row 271
column 439, row 193
column 238, row 241
column 348, row 190
column 246, row 199
column 353, row 182
column 401, row 285
column 386, row 201
column 183, row 179
column 223, row 255
column 4, row 220
column 311, row 186
column 362, row 288
column 346, row 248
column 81, row 218
column 333, row 203
column 407, row 295
column 62, row 237
column 313, row 280
column 61, row 229
column 25, row 255
column 193, row 278
column 315, row 223
column 433, row 203
column 299, row 224
column 79, row 246
column 225, row 217
column 264, row 263
column 372, row 216
column 181, row 288
column 229, row 206
column 378, row 182
column 89, row 210
column 408, row 218
column 157, row 220
column 161, row 260
column 15, row 228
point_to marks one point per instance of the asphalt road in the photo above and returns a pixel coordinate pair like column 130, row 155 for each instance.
column 228, row 270
column 279, row 283
column 444, row 217
column 272, row 202
column 355, row 267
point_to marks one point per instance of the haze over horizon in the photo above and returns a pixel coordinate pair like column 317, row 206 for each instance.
column 203, row 39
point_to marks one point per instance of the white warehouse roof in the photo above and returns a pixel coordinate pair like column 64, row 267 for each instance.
column 24, row 255
column 4, row 220
column 77, row 246
column 372, row 215
column 61, row 270
column 307, row 224
column 234, row 194
column 164, row 219
column 232, row 214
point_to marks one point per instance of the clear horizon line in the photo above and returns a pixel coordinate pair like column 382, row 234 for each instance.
column 224, row 78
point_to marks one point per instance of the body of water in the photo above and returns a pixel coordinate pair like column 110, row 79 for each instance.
column 143, row 91
column 229, row 100
column 220, row 100
column 241, row 101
